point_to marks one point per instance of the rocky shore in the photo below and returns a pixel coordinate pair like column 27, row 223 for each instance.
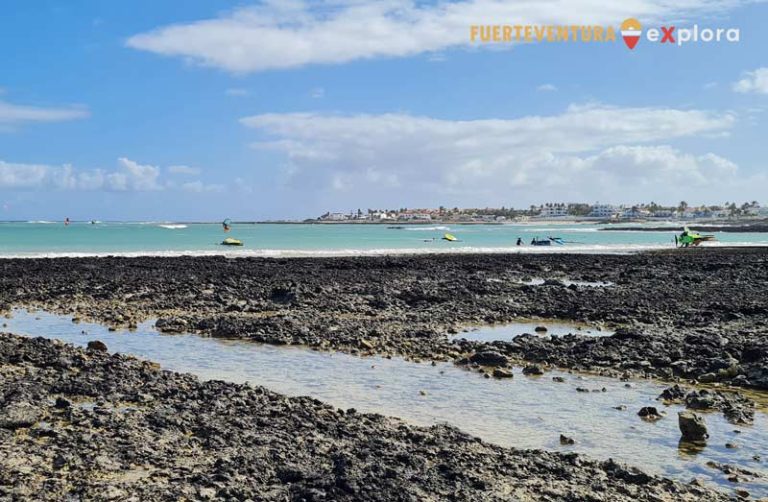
column 696, row 315
column 86, row 425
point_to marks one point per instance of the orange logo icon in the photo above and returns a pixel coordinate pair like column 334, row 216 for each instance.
column 631, row 31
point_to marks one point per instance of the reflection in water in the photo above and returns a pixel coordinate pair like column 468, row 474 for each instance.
column 524, row 412
column 691, row 448
column 506, row 332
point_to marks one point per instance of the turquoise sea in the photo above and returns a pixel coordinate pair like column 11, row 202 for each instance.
column 154, row 238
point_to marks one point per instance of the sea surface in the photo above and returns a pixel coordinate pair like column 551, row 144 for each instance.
column 42, row 239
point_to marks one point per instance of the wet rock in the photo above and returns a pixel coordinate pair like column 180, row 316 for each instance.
column 540, row 329
column 533, row 369
column 692, row 426
column 649, row 413
column 172, row 325
column 674, row 393
column 558, row 379
column 502, row 373
column 565, row 440
column 489, row 358
column 736, row 408
column 97, row 346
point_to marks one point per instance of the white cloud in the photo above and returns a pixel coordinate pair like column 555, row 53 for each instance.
column 578, row 154
column 199, row 187
column 546, row 88
column 286, row 34
column 12, row 115
column 753, row 81
column 135, row 176
column 238, row 92
column 128, row 176
column 184, row 170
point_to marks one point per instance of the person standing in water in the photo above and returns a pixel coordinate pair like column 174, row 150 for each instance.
column 66, row 222
column 519, row 241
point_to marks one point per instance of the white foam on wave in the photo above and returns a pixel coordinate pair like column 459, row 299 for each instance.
column 172, row 227
column 558, row 229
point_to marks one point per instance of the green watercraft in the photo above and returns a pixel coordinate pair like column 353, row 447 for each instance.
column 229, row 241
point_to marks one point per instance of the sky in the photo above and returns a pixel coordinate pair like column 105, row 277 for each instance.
column 200, row 110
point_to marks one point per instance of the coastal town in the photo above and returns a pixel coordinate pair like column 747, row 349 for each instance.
column 554, row 211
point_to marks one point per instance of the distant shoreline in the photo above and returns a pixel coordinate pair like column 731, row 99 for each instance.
column 758, row 228
column 735, row 225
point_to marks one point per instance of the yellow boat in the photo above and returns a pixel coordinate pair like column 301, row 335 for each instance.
column 229, row 241
column 450, row 238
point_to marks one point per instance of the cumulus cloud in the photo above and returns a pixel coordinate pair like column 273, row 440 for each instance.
column 184, row 170
column 285, row 34
column 13, row 115
column 546, row 88
column 580, row 153
column 199, row 187
column 128, row 176
column 753, row 82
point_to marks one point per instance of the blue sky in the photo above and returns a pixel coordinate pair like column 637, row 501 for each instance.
column 201, row 110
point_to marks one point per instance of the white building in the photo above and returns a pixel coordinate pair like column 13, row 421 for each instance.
column 553, row 211
column 634, row 212
column 603, row 211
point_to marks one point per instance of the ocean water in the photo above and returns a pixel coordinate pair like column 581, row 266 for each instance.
column 35, row 239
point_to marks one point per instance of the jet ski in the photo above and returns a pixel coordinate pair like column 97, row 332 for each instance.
column 229, row 241
column 691, row 239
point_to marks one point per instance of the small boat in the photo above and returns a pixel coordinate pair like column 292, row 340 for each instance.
column 557, row 240
column 229, row 241
column 541, row 242
column 450, row 238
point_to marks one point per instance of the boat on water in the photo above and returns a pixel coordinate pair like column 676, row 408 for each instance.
column 548, row 241
column 450, row 238
column 692, row 239
column 229, row 241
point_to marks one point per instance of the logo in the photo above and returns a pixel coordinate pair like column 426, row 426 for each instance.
column 631, row 31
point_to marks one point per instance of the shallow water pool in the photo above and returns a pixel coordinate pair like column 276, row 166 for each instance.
column 507, row 331
column 524, row 412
